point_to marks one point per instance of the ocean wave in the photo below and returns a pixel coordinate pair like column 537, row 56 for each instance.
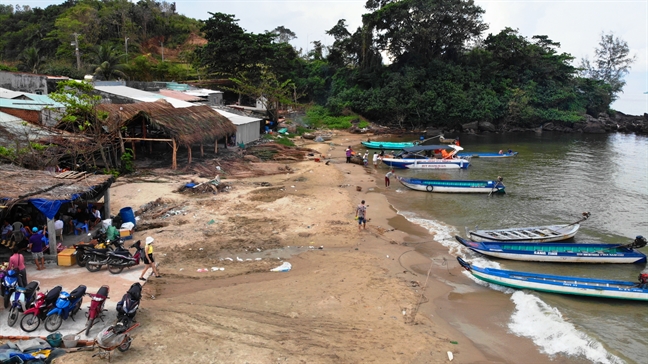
column 552, row 333
column 549, row 330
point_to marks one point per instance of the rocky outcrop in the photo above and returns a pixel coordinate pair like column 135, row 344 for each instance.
column 486, row 126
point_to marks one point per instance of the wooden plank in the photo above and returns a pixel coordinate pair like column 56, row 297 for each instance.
column 148, row 139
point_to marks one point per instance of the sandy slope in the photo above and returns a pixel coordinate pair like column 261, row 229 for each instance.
column 351, row 301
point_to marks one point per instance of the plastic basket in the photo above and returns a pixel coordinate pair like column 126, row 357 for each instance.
column 54, row 339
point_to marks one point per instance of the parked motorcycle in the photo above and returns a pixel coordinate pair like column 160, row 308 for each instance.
column 123, row 259
column 67, row 305
column 96, row 308
column 97, row 258
column 22, row 299
column 127, row 307
column 98, row 241
column 44, row 303
column 8, row 286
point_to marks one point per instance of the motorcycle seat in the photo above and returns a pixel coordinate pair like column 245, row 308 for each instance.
column 78, row 292
column 53, row 294
column 103, row 291
column 30, row 288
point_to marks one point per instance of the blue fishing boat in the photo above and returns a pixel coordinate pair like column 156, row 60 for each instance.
column 389, row 145
column 453, row 186
column 559, row 252
column 580, row 286
column 500, row 154
column 423, row 157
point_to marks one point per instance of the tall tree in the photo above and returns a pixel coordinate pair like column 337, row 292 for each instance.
column 611, row 63
column 108, row 63
column 284, row 35
column 31, row 60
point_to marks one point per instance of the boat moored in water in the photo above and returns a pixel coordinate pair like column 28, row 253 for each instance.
column 499, row 154
column 560, row 252
column 580, row 286
column 422, row 157
column 453, row 186
column 537, row 234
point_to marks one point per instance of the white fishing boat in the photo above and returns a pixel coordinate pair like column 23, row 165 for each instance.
column 536, row 234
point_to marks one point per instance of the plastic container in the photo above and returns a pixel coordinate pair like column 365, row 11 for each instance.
column 127, row 215
column 70, row 341
column 54, row 339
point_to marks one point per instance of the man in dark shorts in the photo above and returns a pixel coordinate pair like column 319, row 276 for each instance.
column 37, row 245
column 361, row 214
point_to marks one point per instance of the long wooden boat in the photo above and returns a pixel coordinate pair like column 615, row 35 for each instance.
column 420, row 157
column 388, row 145
column 593, row 287
column 537, row 234
column 486, row 155
column 557, row 252
column 452, row 186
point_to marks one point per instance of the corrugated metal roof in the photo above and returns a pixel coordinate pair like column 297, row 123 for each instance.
column 238, row 119
column 202, row 92
column 39, row 103
column 139, row 95
column 17, row 128
column 179, row 95
column 6, row 93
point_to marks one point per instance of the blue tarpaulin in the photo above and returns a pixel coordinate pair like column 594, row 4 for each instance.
column 47, row 207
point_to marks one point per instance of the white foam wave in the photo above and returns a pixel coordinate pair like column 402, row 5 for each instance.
column 548, row 330
column 544, row 324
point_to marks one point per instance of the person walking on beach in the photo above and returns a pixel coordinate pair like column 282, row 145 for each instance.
column 387, row 176
column 147, row 258
column 17, row 262
column 361, row 214
column 375, row 160
column 365, row 159
column 36, row 246
column 349, row 153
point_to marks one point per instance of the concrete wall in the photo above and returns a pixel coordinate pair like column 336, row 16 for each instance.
column 27, row 115
column 146, row 86
column 24, row 82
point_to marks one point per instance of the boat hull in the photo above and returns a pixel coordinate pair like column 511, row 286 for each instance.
column 388, row 145
column 538, row 234
column 556, row 252
column 486, row 155
column 559, row 284
column 429, row 163
column 450, row 186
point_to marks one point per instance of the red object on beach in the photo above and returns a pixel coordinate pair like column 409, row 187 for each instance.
column 317, row 159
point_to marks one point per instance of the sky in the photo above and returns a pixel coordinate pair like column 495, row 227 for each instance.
column 576, row 25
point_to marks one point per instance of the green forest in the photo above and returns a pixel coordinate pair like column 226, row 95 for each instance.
column 442, row 70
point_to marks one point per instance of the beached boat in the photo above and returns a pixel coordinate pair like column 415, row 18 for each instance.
column 537, row 234
column 421, row 157
column 388, row 145
column 452, row 186
column 580, row 286
column 557, row 252
column 487, row 154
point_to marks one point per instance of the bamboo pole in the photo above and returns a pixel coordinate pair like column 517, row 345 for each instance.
column 202, row 150
column 189, row 152
column 174, row 162
column 133, row 148
column 216, row 146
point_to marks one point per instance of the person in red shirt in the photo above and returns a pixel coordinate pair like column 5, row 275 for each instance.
column 17, row 262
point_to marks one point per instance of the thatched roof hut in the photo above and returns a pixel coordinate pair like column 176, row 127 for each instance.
column 160, row 121
column 47, row 191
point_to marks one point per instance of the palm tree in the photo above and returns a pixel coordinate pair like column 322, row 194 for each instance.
column 108, row 64
column 31, row 60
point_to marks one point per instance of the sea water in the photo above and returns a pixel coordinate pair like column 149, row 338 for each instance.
column 553, row 180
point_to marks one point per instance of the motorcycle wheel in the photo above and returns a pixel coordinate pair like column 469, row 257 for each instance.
column 53, row 322
column 29, row 322
column 13, row 316
column 82, row 259
column 115, row 269
column 93, row 267
column 125, row 345
column 89, row 326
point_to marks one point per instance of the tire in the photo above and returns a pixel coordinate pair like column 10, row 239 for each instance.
column 429, row 188
column 13, row 316
column 115, row 269
column 82, row 259
column 53, row 322
column 89, row 326
column 125, row 346
column 92, row 267
column 29, row 322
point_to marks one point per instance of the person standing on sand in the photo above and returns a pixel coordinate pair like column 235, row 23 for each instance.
column 147, row 258
column 387, row 176
column 36, row 246
column 375, row 160
column 365, row 159
column 349, row 153
column 361, row 214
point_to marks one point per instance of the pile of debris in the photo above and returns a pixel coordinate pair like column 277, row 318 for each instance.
column 209, row 186
column 278, row 152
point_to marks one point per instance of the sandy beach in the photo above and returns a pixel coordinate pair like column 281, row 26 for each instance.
column 351, row 296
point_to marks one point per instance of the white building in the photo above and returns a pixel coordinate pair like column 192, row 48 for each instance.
column 248, row 129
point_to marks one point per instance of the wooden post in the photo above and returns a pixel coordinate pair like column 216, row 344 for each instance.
column 216, row 146
column 202, row 150
column 189, row 152
column 133, row 148
column 174, row 162
column 106, row 196
column 51, row 235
